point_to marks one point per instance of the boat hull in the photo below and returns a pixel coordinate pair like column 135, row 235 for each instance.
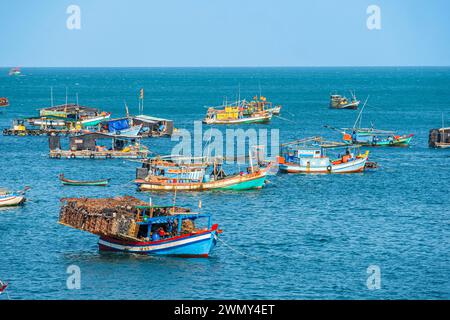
column 193, row 245
column 351, row 106
column 95, row 121
column 401, row 142
column 12, row 200
column 348, row 167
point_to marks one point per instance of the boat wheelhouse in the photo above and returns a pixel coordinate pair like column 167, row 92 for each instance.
column 88, row 146
column 312, row 155
column 142, row 228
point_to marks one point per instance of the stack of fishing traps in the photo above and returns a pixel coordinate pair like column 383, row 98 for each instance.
column 111, row 217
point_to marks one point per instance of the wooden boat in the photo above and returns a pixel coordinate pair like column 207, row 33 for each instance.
column 340, row 102
column 10, row 199
column 141, row 228
column 311, row 156
column 98, row 183
column 4, row 102
column 197, row 243
column 198, row 180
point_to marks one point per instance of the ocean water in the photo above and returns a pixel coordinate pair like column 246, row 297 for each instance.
column 301, row 237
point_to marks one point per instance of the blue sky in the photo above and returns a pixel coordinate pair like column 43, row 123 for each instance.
column 151, row 33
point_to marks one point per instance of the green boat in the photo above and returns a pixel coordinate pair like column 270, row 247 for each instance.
column 94, row 183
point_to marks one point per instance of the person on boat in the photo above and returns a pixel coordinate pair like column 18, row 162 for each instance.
column 346, row 158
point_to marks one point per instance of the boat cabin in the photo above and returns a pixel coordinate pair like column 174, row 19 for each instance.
column 161, row 222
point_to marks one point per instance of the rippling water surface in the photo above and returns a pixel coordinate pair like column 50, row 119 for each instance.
column 302, row 237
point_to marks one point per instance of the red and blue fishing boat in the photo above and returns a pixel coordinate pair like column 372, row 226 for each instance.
column 164, row 236
column 196, row 243
column 129, row 225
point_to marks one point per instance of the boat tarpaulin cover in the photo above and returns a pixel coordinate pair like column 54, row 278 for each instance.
column 117, row 125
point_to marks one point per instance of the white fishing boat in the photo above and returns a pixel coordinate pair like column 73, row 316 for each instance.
column 301, row 157
column 10, row 199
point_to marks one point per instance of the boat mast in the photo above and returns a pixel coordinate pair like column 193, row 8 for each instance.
column 250, row 157
column 66, row 96
column 51, row 96
column 358, row 119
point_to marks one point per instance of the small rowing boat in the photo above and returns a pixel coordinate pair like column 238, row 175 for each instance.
column 92, row 183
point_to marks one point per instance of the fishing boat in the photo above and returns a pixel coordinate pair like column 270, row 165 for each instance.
column 341, row 102
column 261, row 104
column 238, row 112
column 97, row 183
column 4, row 102
column 196, row 179
column 89, row 146
column 372, row 137
column 191, row 174
column 10, row 199
column 143, row 228
column 311, row 155
column 15, row 72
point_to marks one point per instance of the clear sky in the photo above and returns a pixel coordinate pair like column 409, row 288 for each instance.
column 149, row 33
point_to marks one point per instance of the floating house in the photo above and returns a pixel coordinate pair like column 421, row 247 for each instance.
column 88, row 146
column 439, row 138
column 130, row 225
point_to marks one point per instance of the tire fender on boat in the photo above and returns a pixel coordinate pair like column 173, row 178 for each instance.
column 73, row 156
column 329, row 168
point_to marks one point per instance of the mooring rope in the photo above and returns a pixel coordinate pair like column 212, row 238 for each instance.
column 238, row 251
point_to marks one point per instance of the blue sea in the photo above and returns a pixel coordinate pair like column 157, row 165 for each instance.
column 301, row 237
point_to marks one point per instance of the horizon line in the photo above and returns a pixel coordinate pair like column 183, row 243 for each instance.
column 224, row 67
